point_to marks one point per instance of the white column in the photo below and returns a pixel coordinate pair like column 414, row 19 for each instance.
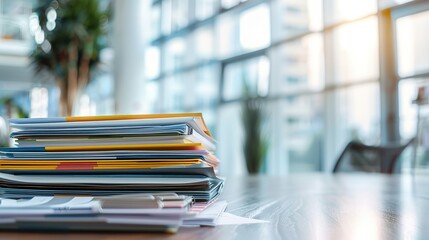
column 131, row 21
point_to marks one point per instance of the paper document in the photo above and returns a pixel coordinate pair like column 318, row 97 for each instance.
column 231, row 219
column 208, row 217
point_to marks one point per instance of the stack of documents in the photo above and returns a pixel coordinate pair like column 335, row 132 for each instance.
column 111, row 155
column 140, row 212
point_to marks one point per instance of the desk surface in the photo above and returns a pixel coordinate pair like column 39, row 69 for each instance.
column 312, row 206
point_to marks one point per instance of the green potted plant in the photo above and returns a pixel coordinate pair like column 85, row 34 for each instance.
column 69, row 38
column 255, row 145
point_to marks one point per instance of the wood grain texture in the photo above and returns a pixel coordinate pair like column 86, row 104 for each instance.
column 312, row 206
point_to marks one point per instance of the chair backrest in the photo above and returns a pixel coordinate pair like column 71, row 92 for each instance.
column 358, row 157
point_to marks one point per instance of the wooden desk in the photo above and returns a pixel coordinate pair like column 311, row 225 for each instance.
column 313, row 206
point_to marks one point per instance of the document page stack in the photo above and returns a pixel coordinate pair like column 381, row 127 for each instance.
column 118, row 173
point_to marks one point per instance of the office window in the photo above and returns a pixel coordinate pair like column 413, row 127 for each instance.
column 413, row 48
column 204, row 44
column 234, row 82
column 250, row 31
column 315, row 63
column 229, row 3
column 255, row 27
column 155, row 21
column 205, row 9
column 226, row 35
column 175, row 92
column 205, row 93
column 298, row 65
column 230, row 139
column 98, row 96
column 166, row 18
column 206, row 87
column 383, row 4
column 412, row 64
column 180, row 14
column 407, row 110
column 340, row 10
column 174, row 54
column 294, row 17
column 152, row 97
column 200, row 46
column 190, row 51
column 252, row 73
column 301, row 132
column 152, row 62
column 355, row 47
column 353, row 114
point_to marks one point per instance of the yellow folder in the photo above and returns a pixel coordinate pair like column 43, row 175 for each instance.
column 198, row 117
column 117, row 147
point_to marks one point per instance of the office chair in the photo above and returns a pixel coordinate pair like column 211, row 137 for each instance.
column 358, row 157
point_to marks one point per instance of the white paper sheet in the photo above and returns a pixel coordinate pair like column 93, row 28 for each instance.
column 94, row 179
column 231, row 219
column 215, row 215
column 13, row 203
column 209, row 216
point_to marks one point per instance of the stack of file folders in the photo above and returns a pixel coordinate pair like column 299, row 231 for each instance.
column 164, row 212
column 111, row 155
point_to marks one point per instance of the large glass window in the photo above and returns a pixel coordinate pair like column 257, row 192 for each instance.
column 294, row 17
column 298, row 65
column 204, row 44
column 413, row 48
column 152, row 62
column 230, row 139
column 206, row 87
column 301, row 130
column 206, row 93
column 407, row 110
column 252, row 74
column 249, row 31
column 255, row 27
column 98, row 96
column 155, row 18
column 175, row 92
column 226, row 35
column 412, row 60
column 174, row 54
column 343, row 10
column 383, row 4
column 205, row 9
column 353, row 113
column 316, row 64
column 166, row 17
column 180, row 14
column 152, row 97
column 229, row 3
column 355, row 52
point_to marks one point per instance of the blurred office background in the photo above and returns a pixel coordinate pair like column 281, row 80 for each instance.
column 326, row 71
